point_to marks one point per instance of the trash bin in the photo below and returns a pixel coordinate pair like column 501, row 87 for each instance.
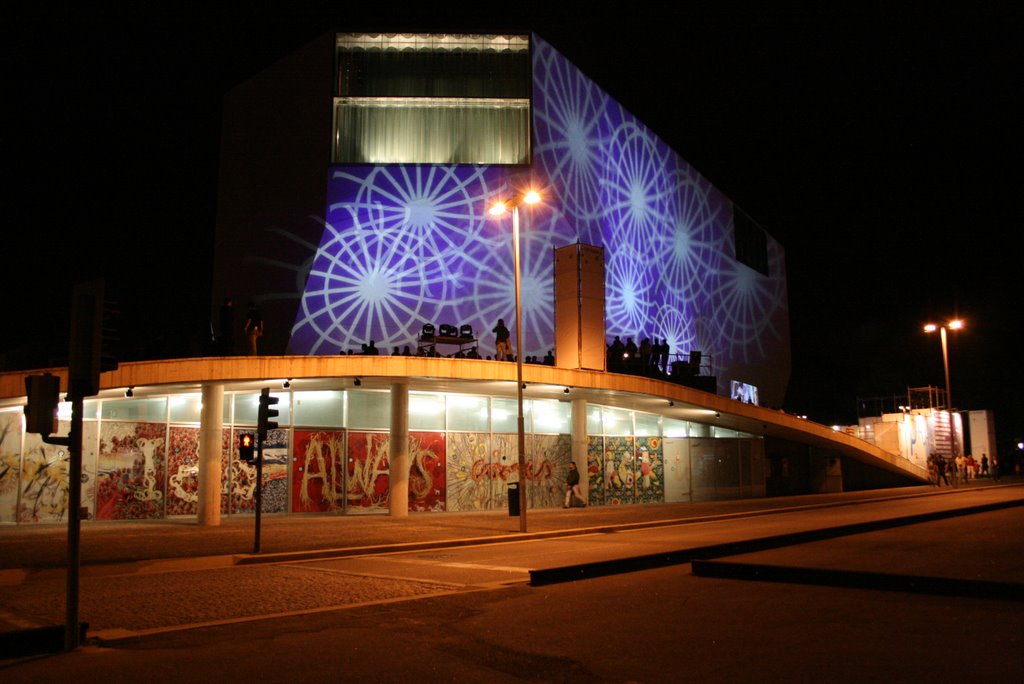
column 513, row 499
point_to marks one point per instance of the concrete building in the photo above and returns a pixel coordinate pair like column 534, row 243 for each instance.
column 354, row 191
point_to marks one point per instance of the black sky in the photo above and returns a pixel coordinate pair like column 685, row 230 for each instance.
column 882, row 149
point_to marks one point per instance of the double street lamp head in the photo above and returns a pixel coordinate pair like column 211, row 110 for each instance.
column 951, row 325
column 502, row 206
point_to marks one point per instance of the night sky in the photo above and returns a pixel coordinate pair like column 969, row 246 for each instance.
column 883, row 151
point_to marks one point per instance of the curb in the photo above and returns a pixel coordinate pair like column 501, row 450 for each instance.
column 572, row 573
column 857, row 579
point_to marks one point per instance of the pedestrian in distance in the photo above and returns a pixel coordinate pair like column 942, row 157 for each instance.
column 253, row 328
column 502, row 345
column 572, row 486
column 226, row 339
column 940, row 469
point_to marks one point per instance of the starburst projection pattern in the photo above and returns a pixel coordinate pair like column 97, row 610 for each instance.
column 406, row 245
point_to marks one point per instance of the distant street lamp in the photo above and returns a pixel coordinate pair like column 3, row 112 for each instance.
column 497, row 209
column 951, row 325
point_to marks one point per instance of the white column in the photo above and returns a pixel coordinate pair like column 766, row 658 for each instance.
column 398, row 451
column 211, row 427
column 579, row 443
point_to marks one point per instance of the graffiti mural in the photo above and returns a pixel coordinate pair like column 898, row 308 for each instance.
column 481, row 466
column 504, row 466
column 367, row 471
column 10, row 464
column 650, row 470
column 131, row 471
column 426, row 471
column 595, row 471
column 547, row 469
column 44, row 481
column 469, row 472
column 183, row 471
column 242, row 476
column 228, row 454
column 318, row 476
column 90, row 459
column 619, row 477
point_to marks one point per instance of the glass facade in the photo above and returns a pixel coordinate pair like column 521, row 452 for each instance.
column 432, row 99
column 330, row 454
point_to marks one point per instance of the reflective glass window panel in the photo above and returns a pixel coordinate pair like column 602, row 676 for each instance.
column 552, row 417
column 426, row 411
column 369, row 410
column 646, row 424
column 505, row 415
column 149, row 408
column 320, row 408
column 676, row 428
column 594, row 424
column 468, row 413
column 186, row 408
column 617, row 421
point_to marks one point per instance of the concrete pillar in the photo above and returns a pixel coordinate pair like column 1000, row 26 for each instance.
column 579, row 443
column 398, row 451
column 211, row 429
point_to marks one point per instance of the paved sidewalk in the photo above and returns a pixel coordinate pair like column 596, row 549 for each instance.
column 36, row 548
column 136, row 556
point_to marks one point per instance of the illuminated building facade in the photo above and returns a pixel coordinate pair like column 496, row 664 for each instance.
column 361, row 215
column 426, row 132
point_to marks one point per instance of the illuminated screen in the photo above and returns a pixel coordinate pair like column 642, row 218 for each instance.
column 741, row 391
column 406, row 245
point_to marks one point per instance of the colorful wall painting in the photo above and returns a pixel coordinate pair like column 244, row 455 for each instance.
column 619, row 477
column 44, row 481
column 242, row 476
column 90, row 458
column 595, row 471
column 228, row 455
column 650, row 470
column 318, row 471
column 504, row 466
column 547, row 469
column 366, row 489
column 183, row 471
column 131, row 471
column 368, row 471
column 469, row 472
column 427, row 471
column 10, row 464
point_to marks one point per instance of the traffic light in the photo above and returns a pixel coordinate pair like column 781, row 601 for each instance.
column 43, row 393
column 246, row 447
column 92, row 348
column 266, row 413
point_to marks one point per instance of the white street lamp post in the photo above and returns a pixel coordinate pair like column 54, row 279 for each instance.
column 932, row 327
column 497, row 209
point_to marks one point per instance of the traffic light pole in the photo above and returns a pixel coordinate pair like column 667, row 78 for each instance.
column 72, row 633
column 73, row 442
column 259, row 493
column 88, row 355
column 263, row 425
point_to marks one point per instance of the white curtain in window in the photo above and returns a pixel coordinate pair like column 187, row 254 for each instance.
column 432, row 131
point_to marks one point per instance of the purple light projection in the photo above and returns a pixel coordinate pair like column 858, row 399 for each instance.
column 406, row 245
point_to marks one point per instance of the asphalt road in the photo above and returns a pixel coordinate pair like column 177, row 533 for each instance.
column 468, row 613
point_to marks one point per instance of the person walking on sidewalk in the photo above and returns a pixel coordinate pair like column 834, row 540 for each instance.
column 572, row 486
